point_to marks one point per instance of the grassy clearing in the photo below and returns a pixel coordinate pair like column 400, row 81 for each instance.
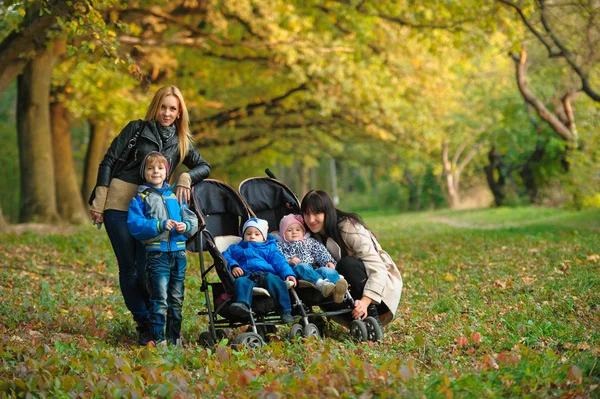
column 496, row 303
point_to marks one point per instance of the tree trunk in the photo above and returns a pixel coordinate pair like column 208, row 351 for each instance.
column 38, row 194
column 451, row 188
column 497, row 185
column 527, row 172
column 68, row 197
column 3, row 225
column 99, row 134
column 304, row 178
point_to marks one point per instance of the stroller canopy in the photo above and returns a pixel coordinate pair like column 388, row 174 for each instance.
column 270, row 199
column 222, row 208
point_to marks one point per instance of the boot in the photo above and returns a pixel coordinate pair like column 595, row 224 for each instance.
column 144, row 331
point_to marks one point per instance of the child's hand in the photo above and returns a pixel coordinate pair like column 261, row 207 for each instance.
column 330, row 265
column 180, row 227
column 170, row 224
column 237, row 271
column 294, row 261
column 292, row 279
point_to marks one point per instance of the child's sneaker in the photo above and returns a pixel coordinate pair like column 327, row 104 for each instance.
column 286, row 317
column 239, row 309
column 326, row 288
column 340, row 290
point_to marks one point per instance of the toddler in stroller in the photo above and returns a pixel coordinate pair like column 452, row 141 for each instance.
column 302, row 252
column 256, row 262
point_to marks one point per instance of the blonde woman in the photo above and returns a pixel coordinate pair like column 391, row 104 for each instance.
column 164, row 129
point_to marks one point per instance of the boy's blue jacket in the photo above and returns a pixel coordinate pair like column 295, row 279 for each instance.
column 258, row 257
column 148, row 214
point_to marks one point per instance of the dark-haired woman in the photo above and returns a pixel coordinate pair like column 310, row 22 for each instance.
column 375, row 281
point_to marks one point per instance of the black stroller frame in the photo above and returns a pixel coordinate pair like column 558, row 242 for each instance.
column 223, row 211
column 270, row 199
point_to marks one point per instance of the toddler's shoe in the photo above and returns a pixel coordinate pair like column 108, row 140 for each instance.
column 286, row 317
column 239, row 309
column 326, row 288
column 339, row 291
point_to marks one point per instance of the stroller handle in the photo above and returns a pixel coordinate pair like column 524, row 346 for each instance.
column 270, row 174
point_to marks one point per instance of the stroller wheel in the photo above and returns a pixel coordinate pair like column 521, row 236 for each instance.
column 205, row 339
column 296, row 331
column 374, row 332
column 358, row 330
column 311, row 330
column 250, row 340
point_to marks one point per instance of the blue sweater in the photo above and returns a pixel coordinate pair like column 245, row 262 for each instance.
column 148, row 214
column 258, row 257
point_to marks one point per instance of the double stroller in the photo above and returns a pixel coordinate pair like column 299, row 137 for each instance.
column 222, row 212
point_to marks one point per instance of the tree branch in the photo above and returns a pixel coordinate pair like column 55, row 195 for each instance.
column 541, row 38
column 22, row 44
column 237, row 113
column 569, row 57
column 520, row 65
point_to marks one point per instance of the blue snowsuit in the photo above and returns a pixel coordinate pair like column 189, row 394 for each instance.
column 264, row 266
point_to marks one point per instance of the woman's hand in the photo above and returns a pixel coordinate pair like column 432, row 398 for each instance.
column 237, row 271
column 292, row 279
column 97, row 217
column 183, row 194
column 360, row 307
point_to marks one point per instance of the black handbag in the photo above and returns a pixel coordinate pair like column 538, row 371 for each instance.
column 121, row 161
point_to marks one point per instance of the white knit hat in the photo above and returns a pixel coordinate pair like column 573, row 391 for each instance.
column 261, row 224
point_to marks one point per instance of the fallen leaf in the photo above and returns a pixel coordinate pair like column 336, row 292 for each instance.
column 528, row 280
column 475, row 337
column 593, row 258
column 574, row 375
column 419, row 340
column 462, row 341
column 222, row 354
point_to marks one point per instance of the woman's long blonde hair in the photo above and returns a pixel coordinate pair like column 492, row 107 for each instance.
column 182, row 123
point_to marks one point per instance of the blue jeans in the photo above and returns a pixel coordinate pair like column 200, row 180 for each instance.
column 306, row 272
column 131, row 257
column 166, row 275
column 243, row 285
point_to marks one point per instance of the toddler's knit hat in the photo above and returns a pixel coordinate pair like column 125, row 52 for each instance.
column 289, row 220
column 261, row 224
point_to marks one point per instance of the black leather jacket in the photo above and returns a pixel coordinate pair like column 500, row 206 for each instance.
column 148, row 140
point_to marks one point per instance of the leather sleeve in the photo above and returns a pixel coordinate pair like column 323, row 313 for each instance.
column 115, row 150
column 199, row 169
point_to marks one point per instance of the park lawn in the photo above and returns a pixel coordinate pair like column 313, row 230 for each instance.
column 498, row 302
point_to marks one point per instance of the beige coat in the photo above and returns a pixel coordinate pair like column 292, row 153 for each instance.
column 384, row 282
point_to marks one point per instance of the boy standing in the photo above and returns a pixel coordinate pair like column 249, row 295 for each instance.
column 256, row 261
column 158, row 220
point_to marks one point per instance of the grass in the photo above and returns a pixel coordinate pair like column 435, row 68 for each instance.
column 495, row 303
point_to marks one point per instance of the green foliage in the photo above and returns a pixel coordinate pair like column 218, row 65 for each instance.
column 496, row 302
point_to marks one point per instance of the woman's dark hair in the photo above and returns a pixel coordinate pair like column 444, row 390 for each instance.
column 318, row 201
